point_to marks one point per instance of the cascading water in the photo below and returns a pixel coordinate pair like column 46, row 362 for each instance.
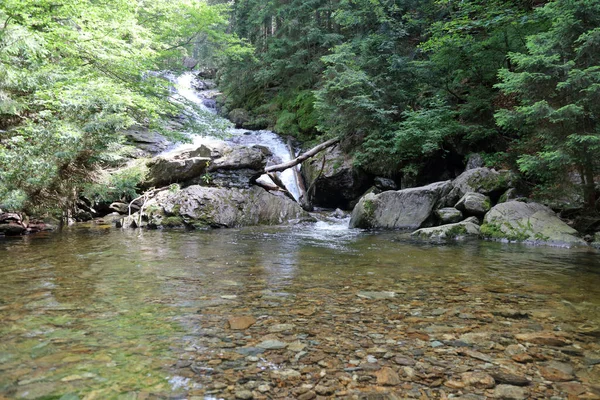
column 184, row 87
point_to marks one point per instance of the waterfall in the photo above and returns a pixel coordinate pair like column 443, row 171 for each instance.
column 184, row 87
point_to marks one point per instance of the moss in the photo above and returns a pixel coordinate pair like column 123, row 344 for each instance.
column 487, row 204
column 171, row 222
column 494, row 231
column 369, row 207
column 456, row 230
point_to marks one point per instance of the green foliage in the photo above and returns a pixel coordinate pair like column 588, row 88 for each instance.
column 557, row 84
column 120, row 185
column 74, row 76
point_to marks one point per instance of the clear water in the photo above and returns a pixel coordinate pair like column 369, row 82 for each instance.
column 101, row 313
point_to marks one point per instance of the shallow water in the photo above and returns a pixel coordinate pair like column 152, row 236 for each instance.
column 98, row 312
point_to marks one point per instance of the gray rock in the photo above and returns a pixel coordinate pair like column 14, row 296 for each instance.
column 376, row 295
column 239, row 117
column 531, row 223
column 449, row 215
column 151, row 142
column 336, row 181
column 402, row 209
column 244, row 394
column 474, row 204
column 272, row 345
column 474, row 161
column 205, row 207
column 509, row 392
column 12, row 229
column 384, row 184
column 481, row 180
column 165, row 170
column 468, row 228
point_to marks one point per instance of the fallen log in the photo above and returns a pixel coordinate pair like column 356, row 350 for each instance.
column 304, row 156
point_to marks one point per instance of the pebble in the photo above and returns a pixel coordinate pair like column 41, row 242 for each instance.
column 508, row 392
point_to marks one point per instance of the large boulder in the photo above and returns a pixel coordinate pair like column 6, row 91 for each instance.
column 337, row 183
column 531, row 223
column 481, row 180
column 449, row 215
column 151, row 142
column 467, row 229
column 216, row 164
column 402, row 209
column 474, row 204
column 209, row 207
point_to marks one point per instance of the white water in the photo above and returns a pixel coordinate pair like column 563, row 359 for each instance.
column 184, row 88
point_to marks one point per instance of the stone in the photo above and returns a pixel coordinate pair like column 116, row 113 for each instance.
column 12, row 229
column 272, row 345
column 510, row 379
column 543, row 338
column 459, row 231
column 474, row 161
column 481, row 180
column 402, row 209
column 244, row 394
column 387, row 377
column 557, row 372
column 384, row 184
column 239, row 117
column 449, row 215
column 337, row 182
column 280, row 328
column 480, row 380
column 474, row 204
column 199, row 207
column 509, row 392
column 148, row 141
column 531, row 223
column 165, row 170
column 241, row 322
column 376, row 295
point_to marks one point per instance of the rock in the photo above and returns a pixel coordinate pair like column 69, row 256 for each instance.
column 337, row 182
column 376, row 295
column 151, row 142
column 509, row 392
column 272, row 345
column 164, row 170
column 478, row 379
column 461, row 230
column 531, row 223
column 240, row 323
column 557, row 372
column 449, row 215
column 122, row 208
column 239, row 117
column 510, row 379
column 402, row 209
column 280, row 328
column 387, row 377
column 474, row 161
column 543, row 338
column 384, row 184
column 307, row 396
column 207, row 207
column 481, row 180
column 12, row 229
column 474, row 204
column 244, row 394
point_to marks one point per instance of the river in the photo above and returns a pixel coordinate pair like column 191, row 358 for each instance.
column 96, row 312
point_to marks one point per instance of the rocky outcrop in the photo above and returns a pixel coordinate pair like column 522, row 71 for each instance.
column 474, row 204
column 402, row 209
column 530, row 223
column 336, row 182
column 148, row 141
column 239, row 117
column 466, row 229
column 209, row 165
column 208, row 207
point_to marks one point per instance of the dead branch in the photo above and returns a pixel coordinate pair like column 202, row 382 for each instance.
column 304, row 156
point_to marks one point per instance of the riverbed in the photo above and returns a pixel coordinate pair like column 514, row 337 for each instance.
column 303, row 311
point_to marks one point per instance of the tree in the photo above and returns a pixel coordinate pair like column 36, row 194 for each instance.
column 73, row 77
column 556, row 85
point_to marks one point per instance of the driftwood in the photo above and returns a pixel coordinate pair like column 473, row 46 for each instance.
column 304, row 156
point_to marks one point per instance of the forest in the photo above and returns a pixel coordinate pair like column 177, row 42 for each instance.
column 411, row 88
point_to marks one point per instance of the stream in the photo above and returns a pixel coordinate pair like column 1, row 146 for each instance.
column 95, row 312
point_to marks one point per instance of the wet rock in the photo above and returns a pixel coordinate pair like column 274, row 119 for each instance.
column 376, row 295
column 280, row 328
column 557, row 372
column 508, row 392
column 481, row 180
column 244, row 394
column 510, row 379
column 530, row 223
column 459, row 231
column 402, row 209
column 480, row 380
column 272, row 345
column 474, row 204
column 449, row 215
column 387, row 377
column 241, row 322
column 384, row 184
column 148, row 141
column 307, row 396
column 543, row 338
